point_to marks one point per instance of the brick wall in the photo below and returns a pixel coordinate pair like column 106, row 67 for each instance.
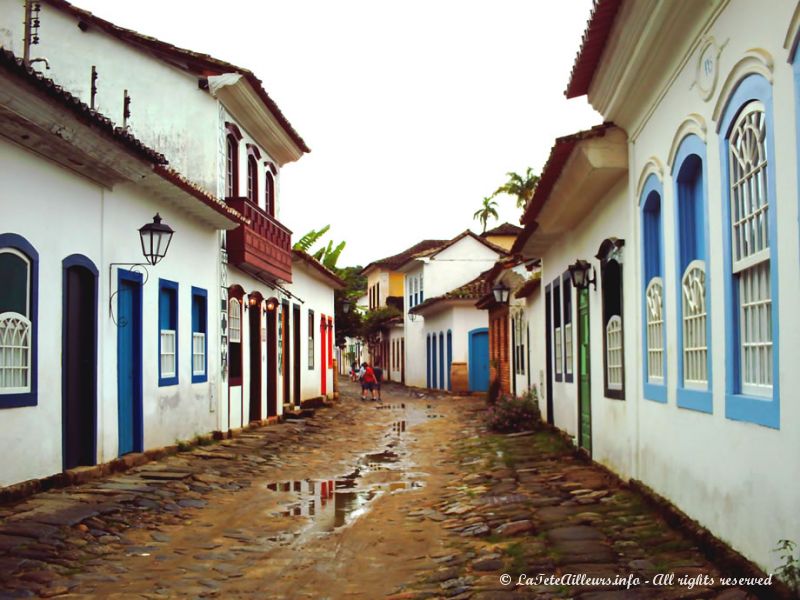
column 499, row 354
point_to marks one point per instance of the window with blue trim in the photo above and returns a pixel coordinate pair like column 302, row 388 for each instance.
column 442, row 382
column 167, row 332
column 434, row 380
column 18, row 321
column 750, row 251
column 428, row 361
column 694, row 326
column 199, row 335
column 449, row 357
column 653, row 298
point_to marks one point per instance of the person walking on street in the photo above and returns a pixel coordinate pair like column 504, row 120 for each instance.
column 367, row 381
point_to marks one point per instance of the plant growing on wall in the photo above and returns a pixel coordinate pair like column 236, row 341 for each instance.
column 789, row 571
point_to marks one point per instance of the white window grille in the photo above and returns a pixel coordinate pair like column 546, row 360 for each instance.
column 614, row 352
column 198, row 354
column 15, row 353
column 568, row 352
column 750, row 248
column 167, row 353
column 695, row 345
column 655, row 330
column 559, row 351
column 234, row 321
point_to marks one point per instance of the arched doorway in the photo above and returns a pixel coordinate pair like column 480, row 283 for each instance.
column 254, row 318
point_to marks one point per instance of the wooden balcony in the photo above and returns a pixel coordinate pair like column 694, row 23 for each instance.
column 263, row 248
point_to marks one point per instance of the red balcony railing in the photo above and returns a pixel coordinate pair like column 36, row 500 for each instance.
column 264, row 247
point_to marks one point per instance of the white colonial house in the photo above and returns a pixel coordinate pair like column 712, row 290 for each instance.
column 684, row 216
column 442, row 327
column 212, row 345
column 101, row 352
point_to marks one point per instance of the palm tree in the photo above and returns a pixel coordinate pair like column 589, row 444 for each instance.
column 488, row 209
column 520, row 186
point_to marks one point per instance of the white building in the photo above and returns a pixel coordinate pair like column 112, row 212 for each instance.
column 441, row 324
column 691, row 329
column 213, row 345
column 76, row 191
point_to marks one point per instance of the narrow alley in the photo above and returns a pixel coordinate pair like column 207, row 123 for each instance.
column 420, row 502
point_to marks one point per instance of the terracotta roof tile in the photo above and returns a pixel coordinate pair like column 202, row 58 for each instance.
column 504, row 229
column 593, row 43
column 395, row 261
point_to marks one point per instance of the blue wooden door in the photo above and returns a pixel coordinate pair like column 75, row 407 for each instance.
column 129, row 362
column 479, row 360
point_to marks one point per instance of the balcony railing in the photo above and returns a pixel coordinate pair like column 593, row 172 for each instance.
column 262, row 248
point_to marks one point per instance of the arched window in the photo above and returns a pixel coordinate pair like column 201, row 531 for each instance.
column 694, row 329
column 252, row 179
column 269, row 193
column 653, row 296
column 231, row 167
column 18, row 321
column 610, row 256
column 750, row 250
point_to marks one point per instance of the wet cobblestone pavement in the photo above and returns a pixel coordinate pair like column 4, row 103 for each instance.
column 406, row 499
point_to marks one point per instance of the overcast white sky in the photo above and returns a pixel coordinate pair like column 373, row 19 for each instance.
column 414, row 110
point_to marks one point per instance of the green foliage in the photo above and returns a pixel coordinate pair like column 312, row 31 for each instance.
column 488, row 209
column 312, row 237
column 514, row 414
column 348, row 324
column 493, row 393
column 375, row 320
column 789, row 571
column 327, row 255
column 521, row 186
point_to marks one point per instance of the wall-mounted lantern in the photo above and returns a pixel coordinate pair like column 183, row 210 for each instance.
column 156, row 237
column 501, row 293
column 579, row 274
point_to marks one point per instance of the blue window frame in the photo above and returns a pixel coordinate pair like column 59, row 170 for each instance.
column 750, row 254
column 428, row 361
column 654, row 359
column 692, row 280
column 434, row 379
column 442, row 381
column 449, row 357
column 199, row 343
column 19, row 321
column 168, row 356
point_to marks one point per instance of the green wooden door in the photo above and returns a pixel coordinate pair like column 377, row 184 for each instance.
column 584, row 381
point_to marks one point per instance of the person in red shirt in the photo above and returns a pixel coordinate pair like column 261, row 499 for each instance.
column 368, row 381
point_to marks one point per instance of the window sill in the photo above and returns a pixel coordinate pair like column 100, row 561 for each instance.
column 655, row 392
column 754, row 409
column 199, row 378
column 167, row 381
column 18, row 400
column 699, row 400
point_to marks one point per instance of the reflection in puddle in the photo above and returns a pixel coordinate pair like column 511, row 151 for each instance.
column 333, row 503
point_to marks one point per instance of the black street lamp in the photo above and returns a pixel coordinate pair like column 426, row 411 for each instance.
column 156, row 237
column 501, row 292
column 579, row 274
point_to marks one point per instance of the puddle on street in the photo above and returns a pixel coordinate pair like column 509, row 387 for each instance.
column 333, row 503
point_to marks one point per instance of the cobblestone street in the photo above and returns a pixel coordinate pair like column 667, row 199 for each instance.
column 409, row 498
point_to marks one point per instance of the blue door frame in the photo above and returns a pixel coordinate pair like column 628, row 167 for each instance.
column 479, row 360
column 129, row 361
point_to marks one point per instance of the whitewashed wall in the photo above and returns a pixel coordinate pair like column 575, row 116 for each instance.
column 317, row 295
column 415, row 336
column 456, row 265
